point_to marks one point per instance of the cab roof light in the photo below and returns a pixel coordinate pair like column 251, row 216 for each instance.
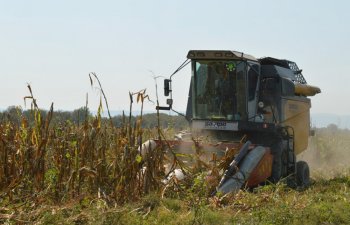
column 218, row 54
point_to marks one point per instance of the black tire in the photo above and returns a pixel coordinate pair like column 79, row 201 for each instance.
column 303, row 174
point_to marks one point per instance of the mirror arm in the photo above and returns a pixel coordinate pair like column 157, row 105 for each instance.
column 168, row 88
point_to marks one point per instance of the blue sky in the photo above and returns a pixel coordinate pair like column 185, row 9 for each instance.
column 53, row 45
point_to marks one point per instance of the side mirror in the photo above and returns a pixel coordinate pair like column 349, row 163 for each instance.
column 167, row 89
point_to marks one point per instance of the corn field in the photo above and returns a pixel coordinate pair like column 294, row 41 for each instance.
column 40, row 161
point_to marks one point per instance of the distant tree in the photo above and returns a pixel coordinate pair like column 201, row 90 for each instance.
column 332, row 127
column 80, row 115
column 167, row 121
column 118, row 120
column 61, row 116
column 13, row 114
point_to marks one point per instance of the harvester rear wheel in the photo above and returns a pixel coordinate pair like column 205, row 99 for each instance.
column 302, row 174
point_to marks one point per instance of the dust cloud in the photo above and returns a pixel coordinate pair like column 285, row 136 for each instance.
column 328, row 154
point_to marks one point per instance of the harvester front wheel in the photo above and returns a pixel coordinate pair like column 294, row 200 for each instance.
column 303, row 174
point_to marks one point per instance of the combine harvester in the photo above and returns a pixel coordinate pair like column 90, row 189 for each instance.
column 233, row 97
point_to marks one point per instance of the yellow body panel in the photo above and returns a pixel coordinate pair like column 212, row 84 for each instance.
column 297, row 115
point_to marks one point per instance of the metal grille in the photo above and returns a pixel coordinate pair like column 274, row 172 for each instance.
column 298, row 76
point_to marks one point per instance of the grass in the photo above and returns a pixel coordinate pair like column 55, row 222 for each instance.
column 325, row 202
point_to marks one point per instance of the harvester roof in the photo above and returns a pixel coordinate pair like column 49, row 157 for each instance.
column 219, row 54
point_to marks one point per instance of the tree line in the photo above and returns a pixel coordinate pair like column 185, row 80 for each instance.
column 15, row 114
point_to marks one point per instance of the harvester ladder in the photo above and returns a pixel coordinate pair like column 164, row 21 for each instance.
column 291, row 164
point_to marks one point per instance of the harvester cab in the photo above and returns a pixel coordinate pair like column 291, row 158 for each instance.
column 233, row 97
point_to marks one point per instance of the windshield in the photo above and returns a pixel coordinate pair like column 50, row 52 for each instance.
column 219, row 89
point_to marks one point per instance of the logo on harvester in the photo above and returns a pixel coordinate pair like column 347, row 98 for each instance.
column 215, row 125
